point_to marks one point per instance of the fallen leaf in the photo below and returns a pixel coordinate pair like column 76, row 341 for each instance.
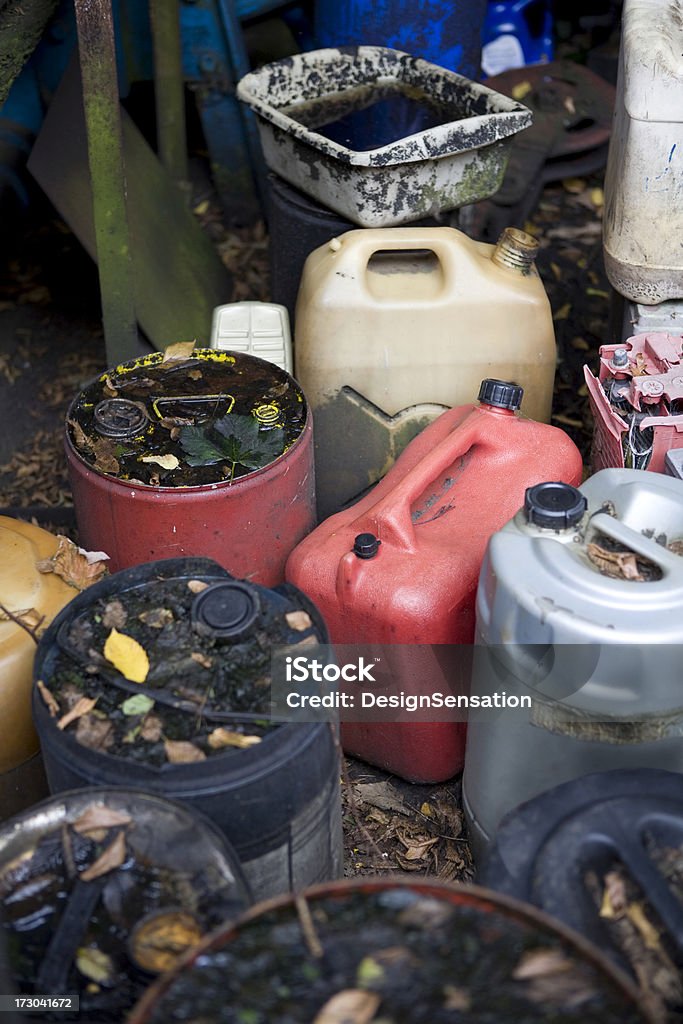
column 108, row 387
column 104, row 450
column 382, row 795
column 563, row 312
column 127, row 655
column 427, row 810
column 138, row 704
column 202, row 659
column 158, row 941
column 99, row 816
column 537, row 963
column 617, row 564
column 196, row 586
column 94, row 733
column 201, row 208
column 416, row 849
column 580, row 344
column 151, row 729
column 195, row 375
column 94, row 964
column 183, row 752
column 220, row 738
column 165, row 461
column 639, row 367
column 81, row 439
column 456, row 999
column 352, row 1006
column 597, row 197
column 574, row 185
column 179, row 350
column 80, row 708
column 521, row 90
column 114, row 615
column 614, row 897
column 112, row 857
column 29, row 617
column 73, row 565
column 48, row 697
column 648, row 932
column 299, row 620
column 156, row 618
column 368, row 972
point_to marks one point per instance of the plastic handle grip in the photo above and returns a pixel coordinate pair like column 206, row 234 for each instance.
column 392, row 513
column 357, row 248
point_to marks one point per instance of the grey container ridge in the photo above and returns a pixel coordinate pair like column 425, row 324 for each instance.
column 578, row 607
column 277, row 798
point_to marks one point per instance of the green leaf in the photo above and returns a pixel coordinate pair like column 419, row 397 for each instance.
column 250, row 446
column 244, row 429
column 139, row 704
column 199, row 449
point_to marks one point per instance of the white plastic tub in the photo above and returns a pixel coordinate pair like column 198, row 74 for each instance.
column 458, row 161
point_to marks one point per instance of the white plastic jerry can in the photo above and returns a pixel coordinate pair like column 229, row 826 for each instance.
column 395, row 324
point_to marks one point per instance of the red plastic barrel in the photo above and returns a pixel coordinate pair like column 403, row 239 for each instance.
column 248, row 524
column 455, row 484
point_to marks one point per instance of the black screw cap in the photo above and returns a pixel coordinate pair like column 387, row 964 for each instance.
column 225, row 610
column 366, row 545
column 500, row 393
column 119, row 417
column 555, row 506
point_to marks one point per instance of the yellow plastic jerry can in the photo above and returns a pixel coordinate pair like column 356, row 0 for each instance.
column 28, row 595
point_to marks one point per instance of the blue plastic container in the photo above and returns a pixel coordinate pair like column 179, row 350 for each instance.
column 445, row 32
column 516, row 33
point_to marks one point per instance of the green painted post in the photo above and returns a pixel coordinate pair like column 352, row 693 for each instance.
column 168, row 89
column 105, row 157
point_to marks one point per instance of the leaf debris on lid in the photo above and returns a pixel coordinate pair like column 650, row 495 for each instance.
column 81, row 707
column 299, row 620
column 179, row 350
column 221, row 737
column 99, row 816
column 48, row 697
column 127, row 655
column 94, row 964
column 112, row 857
column 162, row 937
column 75, row 566
column 351, row 1006
column 183, row 752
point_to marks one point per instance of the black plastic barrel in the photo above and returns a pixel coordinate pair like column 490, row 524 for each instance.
column 78, row 920
column 278, row 802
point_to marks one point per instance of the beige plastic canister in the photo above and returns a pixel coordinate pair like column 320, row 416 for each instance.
column 394, row 324
column 30, row 596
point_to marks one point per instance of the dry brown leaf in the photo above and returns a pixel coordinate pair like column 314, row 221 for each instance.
column 539, row 963
column 156, row 618
column 95, row 733
column 195, row 375
column 617, row 564
column 80, row 708
column 220, row 738
column 108, row 388
column 299, row 620
column 183, row 752
column 29, row 617
column 417, row 847
column 112, row 857
column 104, row 450
column 456, row 999
column 49, row 698
column 81, row 439
column 151, row 729
column 614, row 897
column 75, row 566
column 114, row 615
column 196, row 586
column 382, row 795
column 179, row 350
column 639, row 366
column 352, row 1006
column 202, row 659
column 99, row 816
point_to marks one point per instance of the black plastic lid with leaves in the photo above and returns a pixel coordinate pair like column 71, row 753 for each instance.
column 187, row 417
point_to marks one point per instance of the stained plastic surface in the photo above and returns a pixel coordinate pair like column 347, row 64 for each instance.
column 22, row 589
column 453, row 486
column 586, row 622
column 393, row 325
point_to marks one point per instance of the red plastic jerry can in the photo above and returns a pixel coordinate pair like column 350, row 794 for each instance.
column 401, row 566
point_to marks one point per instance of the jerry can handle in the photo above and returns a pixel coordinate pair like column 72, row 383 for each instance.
column 392, row 513
column 360, row 246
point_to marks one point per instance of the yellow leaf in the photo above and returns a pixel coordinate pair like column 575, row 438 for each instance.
column 521, row 90
column 574, row 185
column 165, row 461
column 597, row 197
column 649, row 933
column 94, row 964
column 127, row 655
column 201, row 208
column 563, row 312
column 427, row 810
column 226, row 738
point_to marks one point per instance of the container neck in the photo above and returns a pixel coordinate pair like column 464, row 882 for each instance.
column 515, row 250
